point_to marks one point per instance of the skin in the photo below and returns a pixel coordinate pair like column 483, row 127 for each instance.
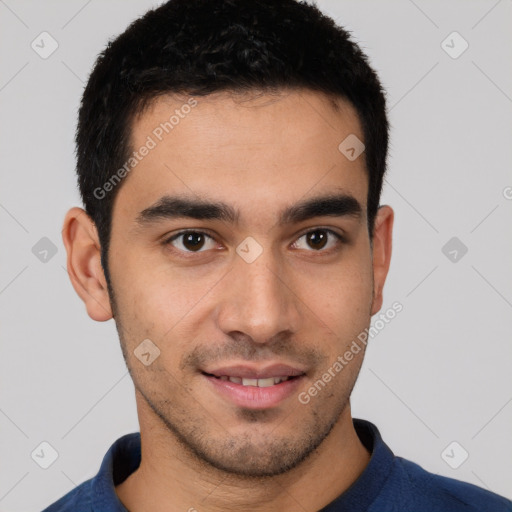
column 295, row 303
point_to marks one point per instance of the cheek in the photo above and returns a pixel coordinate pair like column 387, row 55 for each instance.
column 153, row 293
column 346, row 311
column 160, row 304
column 343, row 304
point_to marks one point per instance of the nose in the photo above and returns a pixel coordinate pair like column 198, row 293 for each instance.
column 258, row 300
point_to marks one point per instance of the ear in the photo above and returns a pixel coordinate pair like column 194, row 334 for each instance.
column 381, row 253
column 80, row 237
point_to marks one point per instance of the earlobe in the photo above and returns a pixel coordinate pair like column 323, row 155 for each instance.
column 382, row 245
column 80, row 238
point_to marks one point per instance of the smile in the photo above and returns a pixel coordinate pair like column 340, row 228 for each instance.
column 260, row 383
column 254, row 393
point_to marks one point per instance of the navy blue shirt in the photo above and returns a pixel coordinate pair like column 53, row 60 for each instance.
column 387, row 484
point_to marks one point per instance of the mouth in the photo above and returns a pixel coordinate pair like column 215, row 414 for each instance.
column 255, row 382
column 255, row 388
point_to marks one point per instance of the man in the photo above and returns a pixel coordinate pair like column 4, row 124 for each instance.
column 230, row 158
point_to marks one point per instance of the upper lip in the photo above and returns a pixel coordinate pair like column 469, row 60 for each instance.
column 255, row 372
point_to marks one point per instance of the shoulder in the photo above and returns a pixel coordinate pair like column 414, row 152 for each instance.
column 412, row 487
column 77, row 500
column 98, row 493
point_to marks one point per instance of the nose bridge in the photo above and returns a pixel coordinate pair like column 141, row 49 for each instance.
column 258, row 301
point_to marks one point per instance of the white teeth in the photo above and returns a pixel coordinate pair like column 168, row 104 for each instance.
column 261, row 383
column 265, row 383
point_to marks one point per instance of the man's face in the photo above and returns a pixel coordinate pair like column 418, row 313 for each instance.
column 251, row 298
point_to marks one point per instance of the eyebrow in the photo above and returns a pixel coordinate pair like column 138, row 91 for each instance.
column 172, row 207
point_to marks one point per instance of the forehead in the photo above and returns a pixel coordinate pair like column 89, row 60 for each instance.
column 250, row 150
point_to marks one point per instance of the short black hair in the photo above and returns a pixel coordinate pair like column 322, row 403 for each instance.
column 199, row 47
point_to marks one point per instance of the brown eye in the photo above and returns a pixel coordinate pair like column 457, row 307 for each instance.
column 318, row 239
column 191, row 241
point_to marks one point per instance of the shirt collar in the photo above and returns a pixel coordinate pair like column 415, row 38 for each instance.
column 121, row 460
column 361, row 494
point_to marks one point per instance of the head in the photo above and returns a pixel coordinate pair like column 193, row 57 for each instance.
column 228, row 118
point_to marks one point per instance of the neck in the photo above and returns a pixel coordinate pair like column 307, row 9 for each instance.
column 173, row 479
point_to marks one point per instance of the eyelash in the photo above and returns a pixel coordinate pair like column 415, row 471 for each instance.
column 340, row 239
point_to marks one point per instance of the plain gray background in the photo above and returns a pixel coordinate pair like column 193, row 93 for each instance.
column 438, row 373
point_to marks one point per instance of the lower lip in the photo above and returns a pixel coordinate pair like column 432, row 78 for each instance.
column 253, row 397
